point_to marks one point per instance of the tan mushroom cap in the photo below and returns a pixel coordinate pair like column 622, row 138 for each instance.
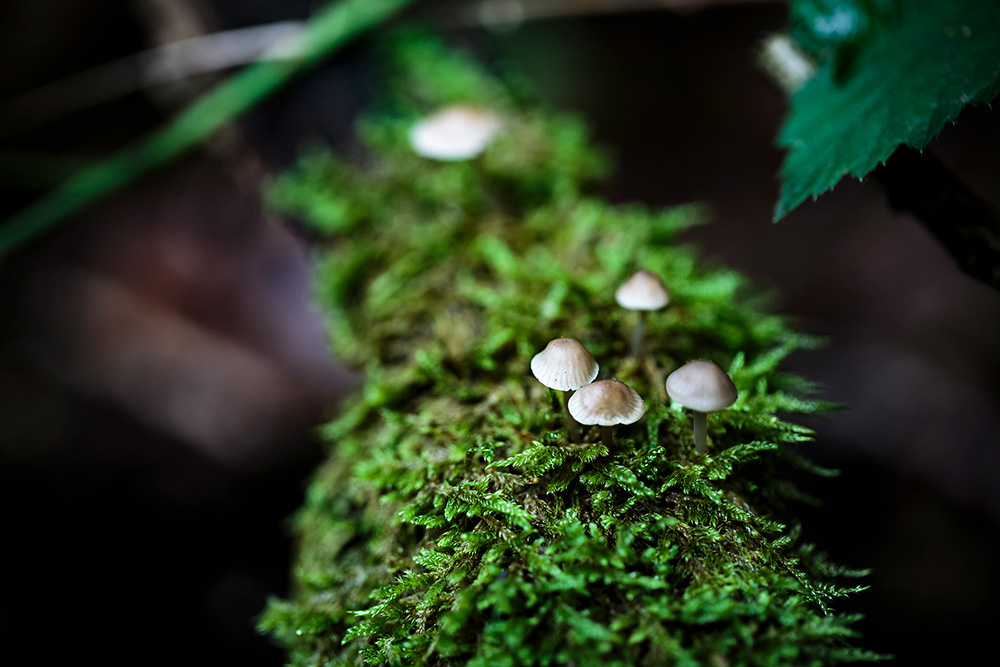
column 702, row 386
column 564, row 365
column 454, row 133
column 607, row 402
column 643, row 291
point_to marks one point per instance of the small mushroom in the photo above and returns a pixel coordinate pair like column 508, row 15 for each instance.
column 607, row 402
column 565, row 365
column 454, row 133
column 703, row 387
column 644, row 292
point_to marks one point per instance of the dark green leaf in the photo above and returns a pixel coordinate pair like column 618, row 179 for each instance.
column 915, row 75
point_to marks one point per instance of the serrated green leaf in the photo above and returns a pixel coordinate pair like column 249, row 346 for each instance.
column 914, row 76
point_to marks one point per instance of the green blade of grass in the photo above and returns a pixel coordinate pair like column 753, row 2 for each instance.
column 328, row 30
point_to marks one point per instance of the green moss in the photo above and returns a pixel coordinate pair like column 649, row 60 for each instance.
column 453, row 524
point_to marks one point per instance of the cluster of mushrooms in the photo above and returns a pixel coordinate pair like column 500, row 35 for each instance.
column 462, row 132
column 565, row 365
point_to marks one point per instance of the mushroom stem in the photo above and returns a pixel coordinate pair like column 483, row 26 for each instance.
column 572, row 425
column 640, row 330
column 700, row 432
column 607, row 437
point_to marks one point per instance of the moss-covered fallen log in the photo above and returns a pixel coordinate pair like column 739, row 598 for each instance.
column 454, row 523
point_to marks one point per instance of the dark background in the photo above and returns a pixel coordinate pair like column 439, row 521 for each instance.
column 162, row 368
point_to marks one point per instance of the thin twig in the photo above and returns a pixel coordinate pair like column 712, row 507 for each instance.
column 506, row 14
column 164, row 64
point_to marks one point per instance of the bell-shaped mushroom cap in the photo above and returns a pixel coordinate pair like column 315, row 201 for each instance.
column 454, row 133
column 643, row 291
column 701, row 386
column 606, row 402
column 564, row 364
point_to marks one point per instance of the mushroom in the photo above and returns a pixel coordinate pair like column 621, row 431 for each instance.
column 703, row 387
column 606, row 402
column 454, row 133
column 565, row 365
column 644, row 292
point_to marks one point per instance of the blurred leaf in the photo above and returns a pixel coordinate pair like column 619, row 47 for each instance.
column 838, row 29
column 915, row 75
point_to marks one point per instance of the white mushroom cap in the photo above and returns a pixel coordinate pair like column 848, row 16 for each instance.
column 454, row 133
column 606, row 402
column 701, row 386
column 564, row 364
column 643, row 291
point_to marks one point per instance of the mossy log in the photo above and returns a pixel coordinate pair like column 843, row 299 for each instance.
column 454, row 523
